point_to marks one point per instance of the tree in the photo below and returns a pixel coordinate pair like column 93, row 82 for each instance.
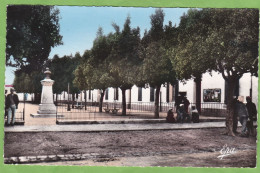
column 186, row 55
column 62, row 73
column 29, row 83
column 234, row 44
column 31, row 32
column 229, row 46
column 93, row 72
column 89, row 77
column 124, row 58
column 157, row 68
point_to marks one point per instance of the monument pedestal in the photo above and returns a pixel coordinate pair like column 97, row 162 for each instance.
column 47, row 107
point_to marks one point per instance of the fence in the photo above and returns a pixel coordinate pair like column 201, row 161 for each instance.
column 19, row 117
column 213, row 109
column 90, row 110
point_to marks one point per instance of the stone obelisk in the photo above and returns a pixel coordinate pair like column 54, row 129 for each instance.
column 47, row 107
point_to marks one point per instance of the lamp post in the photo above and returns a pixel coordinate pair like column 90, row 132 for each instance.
column 68, row 108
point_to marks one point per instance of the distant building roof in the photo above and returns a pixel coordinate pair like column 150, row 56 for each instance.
column 9, row 86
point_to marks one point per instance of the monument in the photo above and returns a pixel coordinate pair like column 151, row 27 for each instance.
column 47, row 107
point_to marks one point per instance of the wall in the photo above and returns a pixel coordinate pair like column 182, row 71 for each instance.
column 215, row 80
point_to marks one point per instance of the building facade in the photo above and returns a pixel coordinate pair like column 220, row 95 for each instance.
column 213, row 90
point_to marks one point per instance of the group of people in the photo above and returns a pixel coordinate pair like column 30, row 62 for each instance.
column 182, row 109
column 11, row 104
column 246, row 114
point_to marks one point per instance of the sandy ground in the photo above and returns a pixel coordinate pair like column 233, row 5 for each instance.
column 244, row 158
column 192, row 148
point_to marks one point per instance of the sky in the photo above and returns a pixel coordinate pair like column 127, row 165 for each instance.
column 79, row 25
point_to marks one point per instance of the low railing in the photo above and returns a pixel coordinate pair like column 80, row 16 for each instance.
column 90, row 110
column 213, row 109
column 19, row 117
column 148, row 106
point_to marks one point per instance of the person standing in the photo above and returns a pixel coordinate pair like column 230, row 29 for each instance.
column 186, row 104
column 178, row 102
column 252, row 112
column 11, row 104
column 235, row 117
column 6, row 111
column 242, row 113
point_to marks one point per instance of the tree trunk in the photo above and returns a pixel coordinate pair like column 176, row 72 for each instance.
column 37, row 98
column 230, row 107
column 123, row 102
column 33, row 97
column 156, row 102
column 198, row 93
column 129, row 101
column 56, row 101
column 101, row 100
column 73, row 99
column 85, row 99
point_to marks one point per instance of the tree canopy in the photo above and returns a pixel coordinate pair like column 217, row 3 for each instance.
column 224, row 40
column 31, row 33
column 157, row 68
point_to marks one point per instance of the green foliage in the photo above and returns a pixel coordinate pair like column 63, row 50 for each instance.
column 124, row 56
column 233, row 41
column 225, row 40
column 157, row 68
column 31, row 32
column 188, row 54
column 28, row 83
column 62, row 72
column 92, row 73
column 157, row 19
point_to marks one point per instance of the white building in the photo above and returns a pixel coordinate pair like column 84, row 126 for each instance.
column 213, row 90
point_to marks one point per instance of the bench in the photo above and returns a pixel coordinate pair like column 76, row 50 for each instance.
column 78, row 106
column 107, row 110
column 114, row 110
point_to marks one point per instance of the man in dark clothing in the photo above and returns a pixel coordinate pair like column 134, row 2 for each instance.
column 242, row 113
column 178, row 102
column 252, row 112
column 186, row 104
column 11, row 104
column 182, row 116
column 5, row 106
column 235, row 119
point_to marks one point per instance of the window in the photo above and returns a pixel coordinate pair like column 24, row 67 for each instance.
column 89, row 94
column 106, row 94
column 116, row 94
column 173, row 93
column 151, row 94
column 167, row 93
column 139, row 93
column 212, row 95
